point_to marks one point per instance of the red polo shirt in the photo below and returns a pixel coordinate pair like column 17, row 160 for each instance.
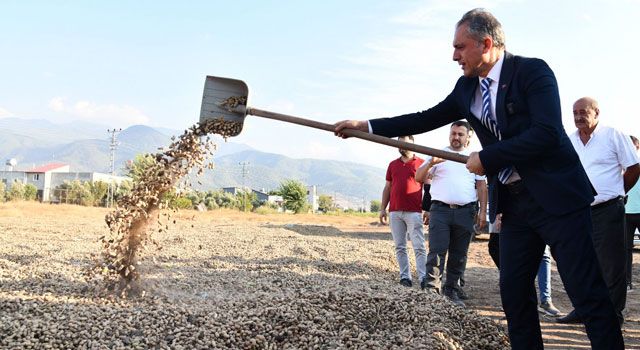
column 406, row 193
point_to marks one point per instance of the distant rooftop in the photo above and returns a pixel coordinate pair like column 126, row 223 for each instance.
column 45, row 168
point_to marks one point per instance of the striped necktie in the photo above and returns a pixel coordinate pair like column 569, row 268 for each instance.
column 490, row 123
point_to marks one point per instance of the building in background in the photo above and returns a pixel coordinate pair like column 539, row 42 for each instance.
column 262, row 196
column 312, row 197
column 47, row 177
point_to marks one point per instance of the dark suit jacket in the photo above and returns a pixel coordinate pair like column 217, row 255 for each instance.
column 533, row 138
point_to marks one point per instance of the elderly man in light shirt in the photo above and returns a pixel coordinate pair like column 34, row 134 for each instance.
column 611, row 162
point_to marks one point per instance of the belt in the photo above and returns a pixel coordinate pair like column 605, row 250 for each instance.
column 605, row 203
column 515, row 187
column 454, row 206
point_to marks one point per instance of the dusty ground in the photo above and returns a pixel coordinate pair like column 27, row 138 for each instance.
column 227, row 279
column 485, row 299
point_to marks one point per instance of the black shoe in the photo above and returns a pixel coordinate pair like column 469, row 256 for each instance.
column 423, row 284
column 406, row 282
column 462, row 294
column 451, row 294
column 571, row 317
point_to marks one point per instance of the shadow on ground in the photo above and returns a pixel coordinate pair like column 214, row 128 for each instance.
column 330, row 231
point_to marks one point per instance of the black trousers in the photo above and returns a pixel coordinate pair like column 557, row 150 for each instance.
column 450, row 233
column 494, row 247
column 608, row 241
column 526, row 228
column 632, row 223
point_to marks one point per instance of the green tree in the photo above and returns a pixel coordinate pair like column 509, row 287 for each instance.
column 16, row 192
column 177, row 200
column 210, row 200
column 246, row 200
column 196, row 197
column 181, row 203
column 98, row 190
column 255, row 202
column 140, row 166
column 3, row 190
column 325, row 203
column 294, row 195
column 30, row 192
column 375, row 206
column 80, row 193
column 221, row 199
column 122, row 189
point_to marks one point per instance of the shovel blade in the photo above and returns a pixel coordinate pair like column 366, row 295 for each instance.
column 217, row 90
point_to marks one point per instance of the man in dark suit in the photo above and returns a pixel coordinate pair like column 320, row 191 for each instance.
column 535, row 177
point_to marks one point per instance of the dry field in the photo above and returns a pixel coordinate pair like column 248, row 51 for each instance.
column 225, row 279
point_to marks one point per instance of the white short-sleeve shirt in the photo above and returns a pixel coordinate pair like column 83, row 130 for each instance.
column 605, row 157
column 451, row 182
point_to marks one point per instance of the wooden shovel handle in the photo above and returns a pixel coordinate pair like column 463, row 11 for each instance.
column 361, row 135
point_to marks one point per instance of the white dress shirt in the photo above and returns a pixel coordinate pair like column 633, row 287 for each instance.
column 605, row 157
column 476, row 104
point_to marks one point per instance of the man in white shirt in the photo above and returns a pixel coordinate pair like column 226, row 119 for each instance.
column 611, row 163
column 454, row 194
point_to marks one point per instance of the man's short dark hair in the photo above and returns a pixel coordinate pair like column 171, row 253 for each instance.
column 410, row 137
column 463, row 123
column 482, row 24
column 634, row 140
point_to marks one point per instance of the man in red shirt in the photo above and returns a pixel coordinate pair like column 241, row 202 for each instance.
column 404, row 196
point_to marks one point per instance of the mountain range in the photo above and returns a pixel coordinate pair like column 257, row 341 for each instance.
column 86, row 147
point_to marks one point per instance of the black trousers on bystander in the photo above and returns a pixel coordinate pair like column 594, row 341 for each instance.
column 608, row 241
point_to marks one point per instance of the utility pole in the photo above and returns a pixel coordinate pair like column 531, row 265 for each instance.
column 245, row 171
column 112, row 163
column 316, row 194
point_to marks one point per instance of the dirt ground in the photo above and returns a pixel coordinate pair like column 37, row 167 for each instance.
column 241, row 262
column 485, row 299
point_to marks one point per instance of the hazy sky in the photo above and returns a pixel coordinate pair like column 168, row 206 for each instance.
column 122, row 63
